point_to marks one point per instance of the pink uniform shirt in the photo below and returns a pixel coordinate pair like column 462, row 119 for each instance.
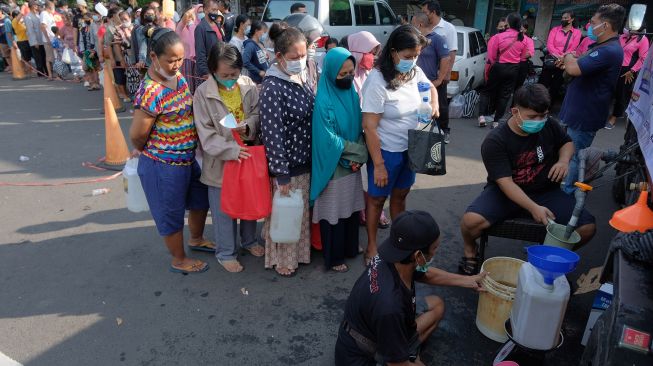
column 555, row 44
column 530, row 48
column 584, row 46
column 507, row 44
column 630, row 46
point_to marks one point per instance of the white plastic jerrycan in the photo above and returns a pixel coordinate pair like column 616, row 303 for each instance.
column 286, row 220
column 136, row 201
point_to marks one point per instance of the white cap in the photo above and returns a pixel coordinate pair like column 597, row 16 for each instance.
column 101, row 9
column 81, row 3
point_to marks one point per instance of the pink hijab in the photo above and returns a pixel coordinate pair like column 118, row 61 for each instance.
column 359, row 44
column 187, row 34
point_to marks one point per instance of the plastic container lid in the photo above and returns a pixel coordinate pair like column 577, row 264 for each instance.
column 552, row 262
column 423, row 86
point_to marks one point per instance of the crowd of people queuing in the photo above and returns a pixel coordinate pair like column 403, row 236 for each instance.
column 326, row 122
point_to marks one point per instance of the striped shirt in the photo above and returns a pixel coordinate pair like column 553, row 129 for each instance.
column 173, row 137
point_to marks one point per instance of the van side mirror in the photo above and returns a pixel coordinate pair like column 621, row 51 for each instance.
column 636, row 17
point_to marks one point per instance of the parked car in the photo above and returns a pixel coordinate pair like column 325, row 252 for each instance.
column 341, row 17
column 469, row 68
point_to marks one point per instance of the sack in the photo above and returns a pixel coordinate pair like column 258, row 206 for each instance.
column 60, row 68
column 471, row 102
column 426, row 151
column 246, row 192
column 67, row 56
column 456, row 106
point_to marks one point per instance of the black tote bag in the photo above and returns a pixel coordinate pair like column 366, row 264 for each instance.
column 426, row 150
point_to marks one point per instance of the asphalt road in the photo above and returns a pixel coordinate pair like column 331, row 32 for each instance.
column 84, row 281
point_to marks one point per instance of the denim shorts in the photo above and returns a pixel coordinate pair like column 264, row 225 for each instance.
column 399, row 174
column 171, row 190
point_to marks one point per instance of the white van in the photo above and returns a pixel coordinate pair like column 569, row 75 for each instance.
column 341, row 17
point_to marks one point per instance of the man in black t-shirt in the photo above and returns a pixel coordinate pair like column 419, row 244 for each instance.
column 526, row 159
column 383, row 322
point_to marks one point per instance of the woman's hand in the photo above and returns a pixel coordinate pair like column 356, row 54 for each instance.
column 354, row 166
column 380, row 175
column 243, row 154
column 629, row 77
column 135, row 153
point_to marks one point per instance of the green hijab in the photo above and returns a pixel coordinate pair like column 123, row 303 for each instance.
column 337, row 118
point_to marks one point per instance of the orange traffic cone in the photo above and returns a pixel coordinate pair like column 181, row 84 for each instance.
column 637, row 217
column 117, row 152
column 110, row 90
column 17, row 66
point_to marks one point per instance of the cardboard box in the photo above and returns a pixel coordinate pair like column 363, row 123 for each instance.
column 602, row 301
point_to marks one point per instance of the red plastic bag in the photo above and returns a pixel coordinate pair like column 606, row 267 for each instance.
column 246, row 192
column 316, row 238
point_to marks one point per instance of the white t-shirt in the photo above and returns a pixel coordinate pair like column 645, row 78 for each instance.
column 237, row 42
column 448, row 32
column 48, row 20
column 398, row 108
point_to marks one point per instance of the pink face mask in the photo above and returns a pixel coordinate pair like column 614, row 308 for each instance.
column 367, row 61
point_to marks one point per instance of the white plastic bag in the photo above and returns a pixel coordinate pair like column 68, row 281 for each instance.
column 134, row 194
column 66, row 56
column 456, row 106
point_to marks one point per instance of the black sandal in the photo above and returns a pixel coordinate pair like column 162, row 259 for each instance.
column 469, row 266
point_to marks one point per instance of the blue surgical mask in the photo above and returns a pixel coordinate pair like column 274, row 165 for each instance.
column 248, row 29
column 591, row 35
column 424, row 267
column 200, row 16
column 405, row 66
column 264, row 37
column 531, row 126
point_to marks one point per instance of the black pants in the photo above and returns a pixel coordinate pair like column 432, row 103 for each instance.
column 443, row 120
column 25, row 50
column 339, row 240
column 551, row 77
column 38, row 52
column 623, row 92
column 496, row 93
column 523, row 73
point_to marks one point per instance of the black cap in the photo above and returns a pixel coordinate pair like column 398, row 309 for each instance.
column 410, row 231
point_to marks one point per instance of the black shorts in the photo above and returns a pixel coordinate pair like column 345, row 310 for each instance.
column 119, row 76
column 495, row 207
column 25, row 50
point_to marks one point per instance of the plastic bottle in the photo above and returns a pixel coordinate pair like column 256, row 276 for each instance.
column 134, row 194
column 286, row 220
column 424, row 113
column 100, row 191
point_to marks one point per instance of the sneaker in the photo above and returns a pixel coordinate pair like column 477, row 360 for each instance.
column 608, row 126
column 447, row 138
column 481, row 121
column 86, row 84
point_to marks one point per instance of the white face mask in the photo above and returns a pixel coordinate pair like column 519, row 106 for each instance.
column 164, row 74
column 295, row 67
column 126, row 24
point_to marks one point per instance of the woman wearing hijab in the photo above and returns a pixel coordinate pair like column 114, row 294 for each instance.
column 186, row 31
column 364, row 47
column 338, row 152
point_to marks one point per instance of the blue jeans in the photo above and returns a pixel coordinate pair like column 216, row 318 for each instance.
column 582, row 140
column 225, row 229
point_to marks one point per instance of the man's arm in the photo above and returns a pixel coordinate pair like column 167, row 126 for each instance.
column 445, row 67
column 452, row 60
column 540, row 214
column 438, row 277
column 569, row 63
column 560, row 169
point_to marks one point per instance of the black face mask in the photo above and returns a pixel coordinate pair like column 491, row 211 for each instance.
column 149, row 18
column 213, row 16
column 345, row 83
column 88, row 22
column 501, row 30
column 564, row 23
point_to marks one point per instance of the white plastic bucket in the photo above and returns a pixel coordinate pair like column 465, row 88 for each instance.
column 495, row 304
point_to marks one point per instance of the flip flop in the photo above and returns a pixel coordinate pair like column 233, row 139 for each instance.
column 250, row 250
column 195, row 268
column 205, row 246
column 342, row 270
column 293, row 274
column 224, row 263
